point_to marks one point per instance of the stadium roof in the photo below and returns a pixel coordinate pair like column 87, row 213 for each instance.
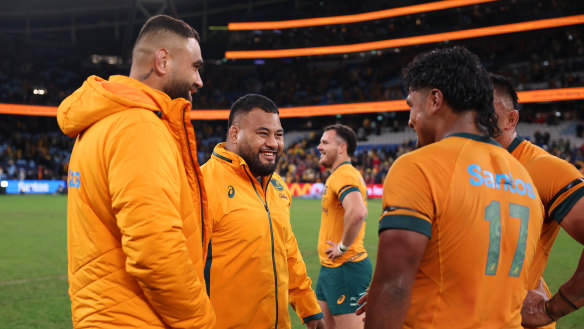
column 110, row 25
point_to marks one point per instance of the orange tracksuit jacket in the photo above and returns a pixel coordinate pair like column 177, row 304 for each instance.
column 254, row 268
column 137, row 227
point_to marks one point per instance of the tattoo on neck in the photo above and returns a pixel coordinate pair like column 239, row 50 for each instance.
column 145, row 76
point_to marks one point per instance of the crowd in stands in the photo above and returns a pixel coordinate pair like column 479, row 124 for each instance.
column 300, row 161
column 539, row 59
column 305, row 81
column 556, row 61
column 57, row 72
column 34, row 148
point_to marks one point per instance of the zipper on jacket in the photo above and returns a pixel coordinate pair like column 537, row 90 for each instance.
column 197, row 178
column 265, row 203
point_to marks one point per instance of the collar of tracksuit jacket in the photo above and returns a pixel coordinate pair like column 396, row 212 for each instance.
column 238, row 164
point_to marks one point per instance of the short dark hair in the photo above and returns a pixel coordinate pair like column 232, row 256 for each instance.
column 506, row 86
column 246, row 103
column 461, row 78
column 347, row 134
column 166, row 23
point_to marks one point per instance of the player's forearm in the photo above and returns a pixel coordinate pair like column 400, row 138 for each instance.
column 353, row 221
column 387, row 305
column 570, row 296
column 399, row 255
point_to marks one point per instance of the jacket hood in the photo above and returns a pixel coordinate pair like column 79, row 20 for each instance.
column 98, row 98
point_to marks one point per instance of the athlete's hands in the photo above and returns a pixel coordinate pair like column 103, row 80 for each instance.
column 533, row 312
column 315, row 324
column 333, row 252
column 363, row 302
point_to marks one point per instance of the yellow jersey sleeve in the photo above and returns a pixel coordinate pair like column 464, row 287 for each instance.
column 347, row 181
column 560, row 192
column 407, row 199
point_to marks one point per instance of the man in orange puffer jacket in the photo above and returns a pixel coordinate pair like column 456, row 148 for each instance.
column 137, row 226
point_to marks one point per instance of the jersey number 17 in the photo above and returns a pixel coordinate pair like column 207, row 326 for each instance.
column 493, row 215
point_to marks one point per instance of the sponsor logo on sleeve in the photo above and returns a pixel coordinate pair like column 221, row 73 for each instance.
column 74, row 179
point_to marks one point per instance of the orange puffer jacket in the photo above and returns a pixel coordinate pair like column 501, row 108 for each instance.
column 137, row 226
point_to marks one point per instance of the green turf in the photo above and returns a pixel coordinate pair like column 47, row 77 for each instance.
column 33, row 262
column 33, row 259
column 562, row 263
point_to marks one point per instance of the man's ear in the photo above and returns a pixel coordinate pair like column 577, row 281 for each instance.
column 161, row 61
column 233, row 133
column 436, row 99
column 512, row 119
column 343, row 148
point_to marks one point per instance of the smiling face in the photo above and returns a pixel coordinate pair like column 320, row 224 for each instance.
column 329, row 148
column 185, row 77
column 260, row 140
column 420, row 119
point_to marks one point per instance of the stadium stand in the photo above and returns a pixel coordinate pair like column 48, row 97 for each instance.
column 562, row 137
column 461, row 18
column 32, row 149
column 555, row 60
column 38, row 73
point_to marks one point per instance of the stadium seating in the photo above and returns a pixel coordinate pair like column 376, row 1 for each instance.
column 540, row 59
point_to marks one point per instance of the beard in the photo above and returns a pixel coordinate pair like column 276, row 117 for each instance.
column 178, row 89
column 256, row 166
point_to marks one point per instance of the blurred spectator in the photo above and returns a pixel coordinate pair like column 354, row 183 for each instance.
column 32, row 148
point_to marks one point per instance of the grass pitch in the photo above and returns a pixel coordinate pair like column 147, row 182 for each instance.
column 33, row 259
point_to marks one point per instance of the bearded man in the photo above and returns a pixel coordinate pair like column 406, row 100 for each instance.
column 254, row 268
column 136, row 218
